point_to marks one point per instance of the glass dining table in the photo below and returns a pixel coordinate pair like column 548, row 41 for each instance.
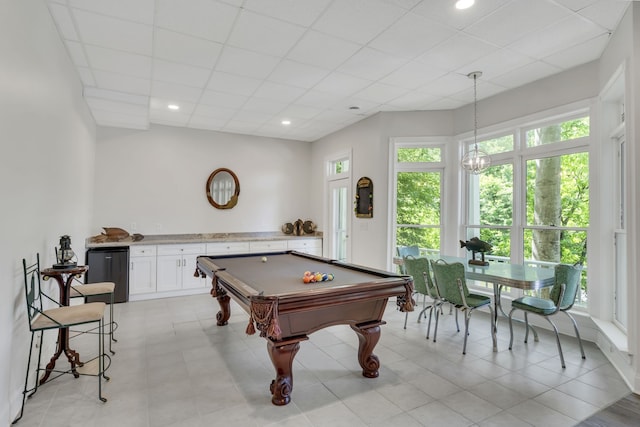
column 501, row 275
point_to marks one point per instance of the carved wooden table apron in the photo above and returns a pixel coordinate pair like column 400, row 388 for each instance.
column 63, row 277
column 285, row 311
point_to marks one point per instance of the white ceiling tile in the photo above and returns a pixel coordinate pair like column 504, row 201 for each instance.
column 133, row 10
column 297, row 74
column 606, row 13
column 567, row 32
column 237, row 126
column 122, row 107
column 221, row 99
column 411, row 36
column 579, row 54
column 254, row 117
column 302, row 13
column 122, row 83
column 278, row 92
column 445, row 12
column 526, row 74
column 175, row 92
column 264, row 34
column 457, row 51
column 322, row 50
column 448, row 84
column 317, row 99
column 295, row 111
column 116, row 119
column 246, row 63
column 114, row 33
column 497, row 63
column 76, row 52
column 515, row 20
column 204, row 122
column 371, row 64
column 263, row 106
column 342, row 84
column 208, row 19
column 356, row 20
column 62, row 17
column 86, row 76
column 94, row 92
column 405, row 4
column 173, row 72
column 576, row 5
column 178, row 47
column 351, row 52
column 230, row 83
column 414, row 100
column 413, row 75
column 217, row 113
column 116, row 61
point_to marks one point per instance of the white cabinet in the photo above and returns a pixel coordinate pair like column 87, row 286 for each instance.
column 224, row 248
column 307, row 246
column 268, row 246
column 142, row 270
column 176, row 265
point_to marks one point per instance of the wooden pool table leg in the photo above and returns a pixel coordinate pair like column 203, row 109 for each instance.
column 223, row 299
column 282, row 354
column 368, row 335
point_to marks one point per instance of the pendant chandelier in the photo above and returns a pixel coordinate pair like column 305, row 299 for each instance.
column 475, row 161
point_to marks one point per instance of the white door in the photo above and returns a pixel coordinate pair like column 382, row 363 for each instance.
column 339, row 220
column 620, row 239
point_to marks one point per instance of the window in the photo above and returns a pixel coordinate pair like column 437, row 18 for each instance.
column 418, row 171
column 532, row 204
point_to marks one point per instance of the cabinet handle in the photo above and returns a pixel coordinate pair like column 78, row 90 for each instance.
column 132, row 266
column 177, row 263
column 184, row 262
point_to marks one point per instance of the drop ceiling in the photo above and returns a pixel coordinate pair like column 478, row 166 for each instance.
column 244, row 66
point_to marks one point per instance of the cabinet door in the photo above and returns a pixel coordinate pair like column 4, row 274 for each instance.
column 142, row 275
column 169, row 273
column 188, row 268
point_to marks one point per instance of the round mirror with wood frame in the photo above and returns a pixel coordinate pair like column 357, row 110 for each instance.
column 223, row 188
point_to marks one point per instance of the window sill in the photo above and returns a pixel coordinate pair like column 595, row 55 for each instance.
column 617, row 337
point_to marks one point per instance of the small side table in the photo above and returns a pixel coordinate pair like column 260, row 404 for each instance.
column 64, row 277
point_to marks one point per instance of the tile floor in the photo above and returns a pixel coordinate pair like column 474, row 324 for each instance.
column 175, row 367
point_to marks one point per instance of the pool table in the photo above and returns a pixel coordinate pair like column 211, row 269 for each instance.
column 285, row 310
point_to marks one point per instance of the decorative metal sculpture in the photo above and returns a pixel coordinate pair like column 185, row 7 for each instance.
column 476, row 245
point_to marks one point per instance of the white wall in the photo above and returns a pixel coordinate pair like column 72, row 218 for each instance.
column 157, row 178
column 46, row 169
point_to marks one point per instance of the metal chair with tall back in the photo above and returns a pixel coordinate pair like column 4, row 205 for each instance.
column 45, row 313
column 450, row 279
column 423, row 285
column 561, row 299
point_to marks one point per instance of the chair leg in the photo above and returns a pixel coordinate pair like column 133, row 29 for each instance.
column 493, row 330
column 557, row 341
column 111, row 321
column 406, row 315
column 526, row 327
column 575, row 327
column 435, row 329
column 101, row 355
column 457, row 325
column 467, row 316
column 430, row 315
column 511, row 328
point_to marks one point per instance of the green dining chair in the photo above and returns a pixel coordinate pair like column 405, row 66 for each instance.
column 561, row 299
column 405, row 251
column 450, row 280
column 423, row 285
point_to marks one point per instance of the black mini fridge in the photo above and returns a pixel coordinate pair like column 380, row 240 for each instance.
column 109, row 265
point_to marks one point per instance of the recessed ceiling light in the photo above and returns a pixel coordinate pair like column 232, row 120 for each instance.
column 464, row 4
column 173, row 107
column 286, row 122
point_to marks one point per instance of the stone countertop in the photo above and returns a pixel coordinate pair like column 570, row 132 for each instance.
column 166, row 239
